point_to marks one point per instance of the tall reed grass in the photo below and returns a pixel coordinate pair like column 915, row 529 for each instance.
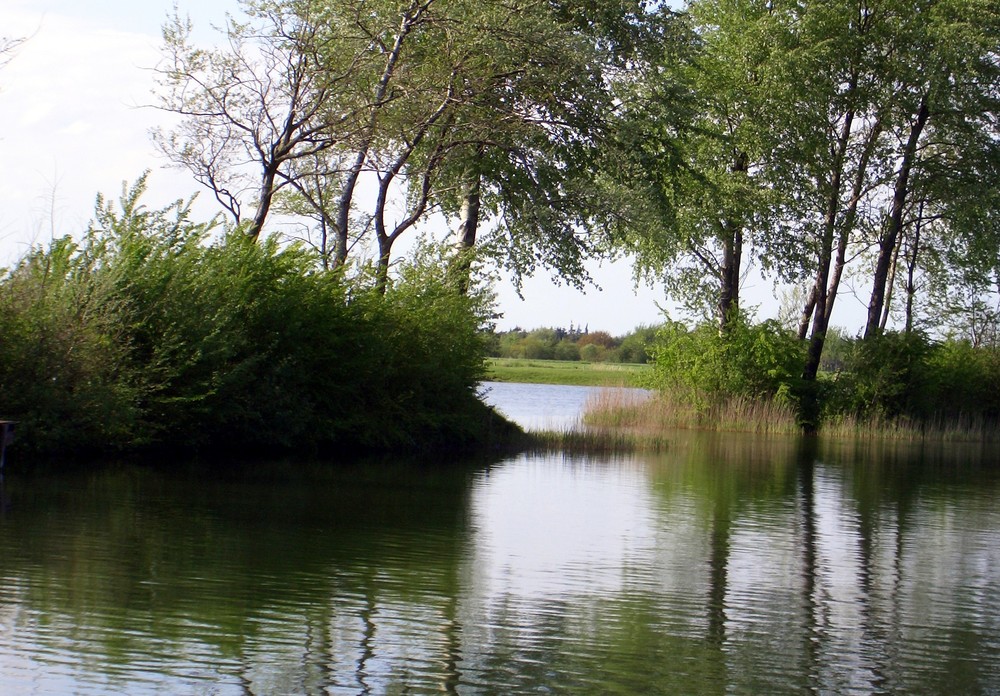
column 903, row 429
column 642, row 421
column 645, row 415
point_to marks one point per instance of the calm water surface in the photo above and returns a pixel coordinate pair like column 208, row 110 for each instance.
column 728, row 565
column 544, row 406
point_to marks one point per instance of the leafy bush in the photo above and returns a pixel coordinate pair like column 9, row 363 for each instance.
column 896, row 375
column 882, row 378
column 634, row 347
column 566, row 350
column 151, row 331
column 64, row 366
column 962, row 381
column 701, row 366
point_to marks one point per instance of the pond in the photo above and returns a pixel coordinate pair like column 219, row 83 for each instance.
column 727, row 565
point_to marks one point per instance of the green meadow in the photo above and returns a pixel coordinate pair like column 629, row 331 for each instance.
column 567, row 372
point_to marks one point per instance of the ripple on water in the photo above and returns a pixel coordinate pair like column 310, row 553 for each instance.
column 628, row 575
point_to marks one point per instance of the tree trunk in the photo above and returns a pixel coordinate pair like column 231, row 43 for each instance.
column 342, row 221
column 807, row 313
column 911, row 269
column 468, row 227
column 732, row 258
column 894, row 224
column 382, row 267
column 267, row 191
column 851, row 216
column 817, row 335
column 729, row 297
column 890, row 286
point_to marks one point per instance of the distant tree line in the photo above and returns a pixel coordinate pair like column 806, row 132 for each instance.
column 573, row 344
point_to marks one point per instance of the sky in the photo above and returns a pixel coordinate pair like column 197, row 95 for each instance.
column 75, row 121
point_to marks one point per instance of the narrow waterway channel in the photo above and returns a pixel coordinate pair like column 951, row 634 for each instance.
column 544, row 406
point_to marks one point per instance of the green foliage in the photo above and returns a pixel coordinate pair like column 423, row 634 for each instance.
column 703, row 367
column 884, row 376
column 574, row 344
column 424, row 360
column 152, row 332
column 63, row 366
column 898, row 375
column 962, row 382
column 591, row 352
column 634, row 347
column 567, row 350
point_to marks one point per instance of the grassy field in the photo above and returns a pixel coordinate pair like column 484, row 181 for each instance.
column 566, row 372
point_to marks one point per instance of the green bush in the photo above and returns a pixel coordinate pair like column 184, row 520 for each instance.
column 897, row 375
column 634, row 347
column 962, row 381
column 64, row 368
column 592, row 352
column 884, row 377
column 154, row 332
column 566, row 350
column 701, row 366
column 535, row 348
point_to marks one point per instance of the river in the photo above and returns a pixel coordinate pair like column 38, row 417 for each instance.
column 729, row 564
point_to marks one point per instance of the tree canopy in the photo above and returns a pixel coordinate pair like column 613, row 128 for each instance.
column 813, row 141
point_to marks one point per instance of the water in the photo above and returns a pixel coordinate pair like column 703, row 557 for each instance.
column 544, row 406
column 728, row 565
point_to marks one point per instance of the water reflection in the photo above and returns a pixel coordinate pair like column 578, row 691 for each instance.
column 729, row 565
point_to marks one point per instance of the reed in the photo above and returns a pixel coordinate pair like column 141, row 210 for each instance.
column 626, row 420
column 663, row 411
column 902, row 429
column 598, row 441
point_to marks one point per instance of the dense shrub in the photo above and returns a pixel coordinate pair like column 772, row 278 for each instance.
column 634, row 347
column 897, row 375
column 753, row 361
column 65, row 371
column 882, row 377
column 152, row 331
column 894, row 378
column 962, row 382
column 566, row 350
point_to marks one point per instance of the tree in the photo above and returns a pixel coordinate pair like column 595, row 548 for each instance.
column 8, row 48
column 832, row 144
column 490, row 111
column 946, row 160
column 533, row 130
column 701, row 128
column 256, row 106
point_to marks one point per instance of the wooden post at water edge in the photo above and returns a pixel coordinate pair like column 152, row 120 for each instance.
column 6, row 437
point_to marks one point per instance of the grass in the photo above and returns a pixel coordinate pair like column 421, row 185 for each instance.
column 642, row 422
column 566, row 372
column 598, row 441
column 646, row 417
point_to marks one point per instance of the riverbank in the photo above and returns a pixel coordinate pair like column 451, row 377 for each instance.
column 565, row 372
